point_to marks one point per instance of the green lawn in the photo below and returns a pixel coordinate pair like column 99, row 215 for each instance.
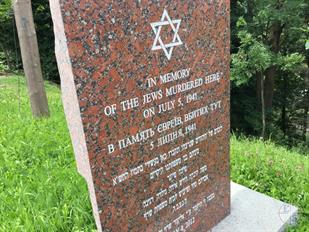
column 40, row 189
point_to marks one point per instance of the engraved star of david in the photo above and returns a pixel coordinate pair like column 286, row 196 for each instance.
column 158, row 43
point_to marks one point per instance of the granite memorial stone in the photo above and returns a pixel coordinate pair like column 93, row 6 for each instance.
column 145, row 89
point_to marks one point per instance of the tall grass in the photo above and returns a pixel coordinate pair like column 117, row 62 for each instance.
column 40, row 189
column 275, row 171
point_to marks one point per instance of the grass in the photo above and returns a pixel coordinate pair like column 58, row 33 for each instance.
column 274, row 171
column 40, row 189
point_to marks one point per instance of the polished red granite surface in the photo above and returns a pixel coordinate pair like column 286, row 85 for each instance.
column 149, row 81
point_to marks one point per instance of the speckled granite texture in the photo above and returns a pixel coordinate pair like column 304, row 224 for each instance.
column 146, row 94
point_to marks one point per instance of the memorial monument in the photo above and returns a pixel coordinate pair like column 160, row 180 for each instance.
column 145, row 88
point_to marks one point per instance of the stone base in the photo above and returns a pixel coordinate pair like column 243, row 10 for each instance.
column 255, row 212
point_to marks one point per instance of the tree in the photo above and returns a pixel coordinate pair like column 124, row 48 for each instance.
column 278, row 30
column 252, row 59
column 30, row 57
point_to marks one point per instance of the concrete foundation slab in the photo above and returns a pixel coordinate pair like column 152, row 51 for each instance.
column 255, row 212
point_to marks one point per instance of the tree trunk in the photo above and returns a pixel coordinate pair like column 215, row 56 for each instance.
column 305, row 126
column 30, row 57
column 263, row 106
column 283, row 105
column 269, row 87
column 306, row 108
column 271, row 72
column 258, row 92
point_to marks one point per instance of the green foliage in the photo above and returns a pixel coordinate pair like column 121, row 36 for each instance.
column 268, row 34
column 252, row 57
column 40, row 189
column 3, row 66
column 9, row 44
column 5, row 10
column 45, row 34
column 291, row 62
column 275, row 171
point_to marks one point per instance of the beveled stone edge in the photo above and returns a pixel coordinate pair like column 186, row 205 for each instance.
column 71, row 105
